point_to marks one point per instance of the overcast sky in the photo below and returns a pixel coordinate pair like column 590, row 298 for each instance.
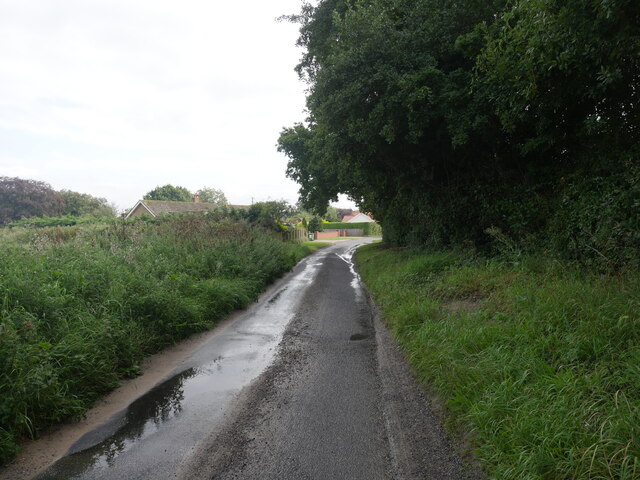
column 115, row 97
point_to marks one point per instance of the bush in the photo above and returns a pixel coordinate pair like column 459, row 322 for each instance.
column 371, row 229
column 598, row 219
column 539, row 359
column 62, row 221
column 80, row 307
column 316, row 225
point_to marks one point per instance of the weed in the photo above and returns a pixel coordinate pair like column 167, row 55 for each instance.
column 543, row 369
column 81, row 306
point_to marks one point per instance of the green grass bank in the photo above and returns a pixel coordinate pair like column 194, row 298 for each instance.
column 537, row 360
column 80, row 306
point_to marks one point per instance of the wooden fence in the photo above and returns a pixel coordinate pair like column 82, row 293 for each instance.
column 294, row 235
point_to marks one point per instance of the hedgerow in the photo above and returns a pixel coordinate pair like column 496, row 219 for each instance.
column 61, row 221
column 535, row 359
column 371, row 229
column 81, row 307
column 448, row 119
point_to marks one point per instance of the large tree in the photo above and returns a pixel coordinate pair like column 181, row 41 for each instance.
column 212, row 195
column 565, row 75
column 392, row 118
column 77, row 204
column 169, row 192
column 20, row 198
column 446, row 118
column 270, row 215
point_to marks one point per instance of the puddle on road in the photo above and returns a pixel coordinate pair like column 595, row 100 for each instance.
column 276, row 296
column 142, row 418
column 158, row 409
column 359, row 336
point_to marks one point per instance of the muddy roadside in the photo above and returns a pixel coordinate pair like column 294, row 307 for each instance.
column 35, row 456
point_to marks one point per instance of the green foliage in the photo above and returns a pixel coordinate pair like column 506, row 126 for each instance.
column 20, row 198
column 389, row 126
column 315, row 225
column 331, row 215
column 371, row 229
column 449, row 119
column 270, row 215
column 566, row 74
column 81, row 306
column 63, row 221
column 316, row 178
column 212, row 195
column 82, row 204
column 537, row 358
column 170, row 193
column 30, row 201
column 598, row 221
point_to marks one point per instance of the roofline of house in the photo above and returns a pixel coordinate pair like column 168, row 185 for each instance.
column 140, row 202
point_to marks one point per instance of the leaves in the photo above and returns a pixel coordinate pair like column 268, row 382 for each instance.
column 212, row 195
column 170, row 193
column 445, row 119
column 27, row 198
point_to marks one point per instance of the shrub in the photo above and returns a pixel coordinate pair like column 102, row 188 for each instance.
column 371, row 229
column 538, row 358
column 62, row 221
column 598, row 219
column 80, row 307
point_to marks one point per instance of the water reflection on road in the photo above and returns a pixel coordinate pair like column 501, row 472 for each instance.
column 158, row 431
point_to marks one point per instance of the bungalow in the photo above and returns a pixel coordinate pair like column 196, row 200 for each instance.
column 357, row 217
column 158, row 207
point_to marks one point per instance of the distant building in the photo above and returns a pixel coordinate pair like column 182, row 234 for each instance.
column 154, row 208
column 357, row 217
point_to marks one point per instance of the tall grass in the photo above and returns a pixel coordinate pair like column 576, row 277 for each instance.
column 538, row 361
column 81, row 306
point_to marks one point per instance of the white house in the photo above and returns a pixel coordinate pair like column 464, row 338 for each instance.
column 358, row 217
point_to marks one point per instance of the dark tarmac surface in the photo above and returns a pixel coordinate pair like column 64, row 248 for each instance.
column 306, row 385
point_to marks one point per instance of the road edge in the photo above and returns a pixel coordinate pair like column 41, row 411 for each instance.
column 400, row 388
column 37, row 455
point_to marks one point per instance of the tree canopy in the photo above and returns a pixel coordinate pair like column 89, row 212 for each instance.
column 170, row 193
column 269, row 215
column 22, row 198
column 78, row 204
column 212, row 195
column 445, row 119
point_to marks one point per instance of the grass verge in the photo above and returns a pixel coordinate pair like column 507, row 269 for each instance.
column 538, row 361
column 306, row 248
column 81, row 306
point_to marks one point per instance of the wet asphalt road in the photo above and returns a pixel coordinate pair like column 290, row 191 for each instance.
column 306, row 385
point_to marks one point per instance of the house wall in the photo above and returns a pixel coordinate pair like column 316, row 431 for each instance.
column 349, row 232
column 139, row 211
column 330, row 234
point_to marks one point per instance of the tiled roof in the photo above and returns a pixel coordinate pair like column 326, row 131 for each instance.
column 163, row 206
column 359, row 217
column 158, row 207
